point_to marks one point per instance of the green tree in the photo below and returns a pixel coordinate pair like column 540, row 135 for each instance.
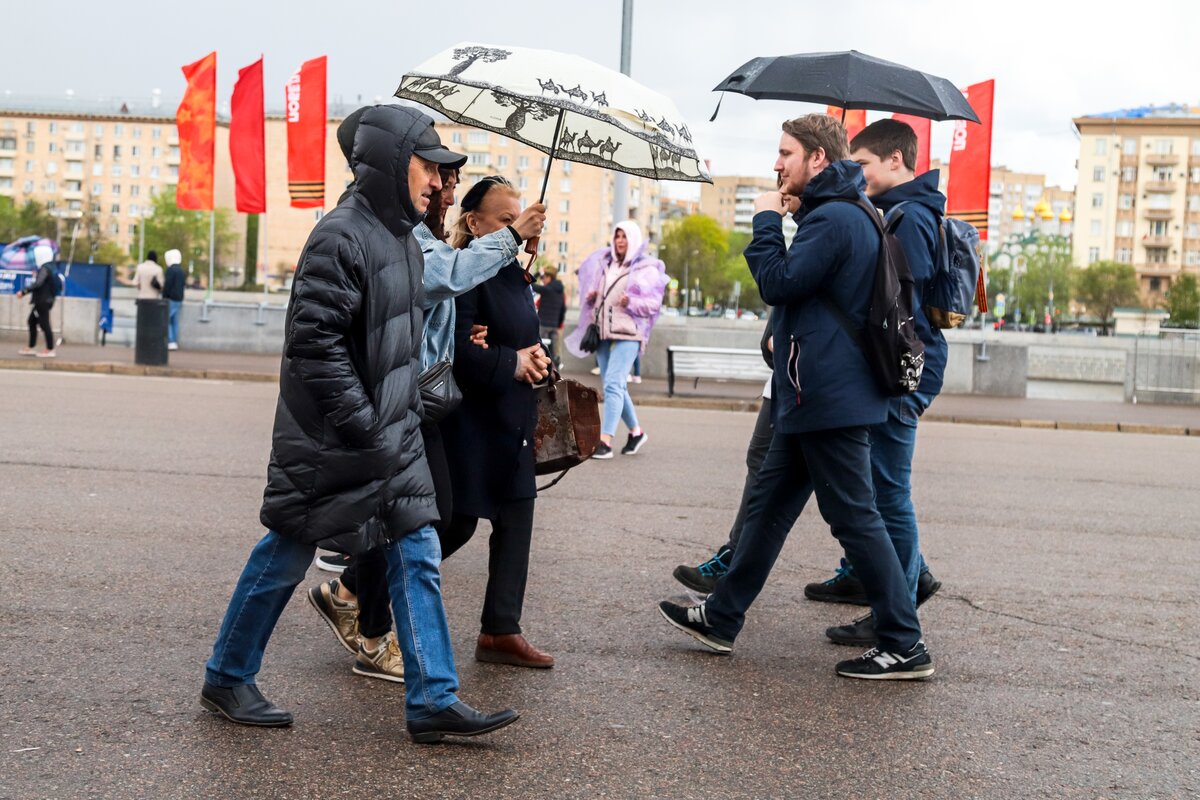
column 1106, row 285
column 736, row 269
column 171, row 227
column 998, row 279
column 696, row 246
column 1183, row 302
column 251, row 268
column 29, row 219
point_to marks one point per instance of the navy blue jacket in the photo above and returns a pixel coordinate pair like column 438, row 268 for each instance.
column 822, row 380
column 924, row 207
column 174, row 283
column 489, row 438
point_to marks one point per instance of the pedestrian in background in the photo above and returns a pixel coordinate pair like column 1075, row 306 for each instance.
column 41, row 290
column 148, row 278
column 552, row 310
column 174, row 284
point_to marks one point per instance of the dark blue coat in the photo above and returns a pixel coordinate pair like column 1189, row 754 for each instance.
column 489, row 438
column 924, row 207
column 822, row 380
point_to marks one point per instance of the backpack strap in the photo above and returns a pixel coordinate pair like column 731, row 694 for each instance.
column 842, row 318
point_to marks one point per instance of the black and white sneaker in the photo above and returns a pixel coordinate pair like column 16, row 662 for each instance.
column 693, row 621
column 882, row 665
column 333, row 562
column 633, row 444
column 603, row 451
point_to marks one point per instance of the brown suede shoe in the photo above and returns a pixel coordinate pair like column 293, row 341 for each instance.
column 511, row 648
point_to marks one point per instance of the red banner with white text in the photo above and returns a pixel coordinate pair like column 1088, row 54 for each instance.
column 306, row 115
column 922, row 127
column 247, row 149
column 196, row 120
column 971, row 161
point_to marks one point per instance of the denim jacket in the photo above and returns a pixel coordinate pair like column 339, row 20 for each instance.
column 449, row 273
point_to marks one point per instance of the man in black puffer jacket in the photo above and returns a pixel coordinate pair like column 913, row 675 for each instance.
column 347, row 469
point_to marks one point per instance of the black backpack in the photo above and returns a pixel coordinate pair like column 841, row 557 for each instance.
column 889, row 338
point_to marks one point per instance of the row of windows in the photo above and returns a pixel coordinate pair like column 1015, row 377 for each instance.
column 1156, row 255
column 76, row 168
column 98, row 129
column 1158, row 146
column 1157, row 201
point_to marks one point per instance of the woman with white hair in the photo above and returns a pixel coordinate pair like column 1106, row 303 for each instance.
column 174, row 283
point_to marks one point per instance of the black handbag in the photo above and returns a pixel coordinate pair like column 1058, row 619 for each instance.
column 439, row 393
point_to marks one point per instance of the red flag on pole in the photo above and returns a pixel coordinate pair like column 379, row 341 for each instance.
column 922, row 127
column 971, row 161
column 247, row 148
column 306, row 114
column 854, row 121
column 196, row 120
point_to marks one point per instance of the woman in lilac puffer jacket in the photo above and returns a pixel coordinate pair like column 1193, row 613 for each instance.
column 622, row 290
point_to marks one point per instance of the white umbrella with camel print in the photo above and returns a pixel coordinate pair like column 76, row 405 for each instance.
column 564, row 105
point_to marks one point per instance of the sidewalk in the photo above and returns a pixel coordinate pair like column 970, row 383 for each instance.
column 708, row 394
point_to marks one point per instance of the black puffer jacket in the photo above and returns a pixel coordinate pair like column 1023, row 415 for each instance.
column 348, row 469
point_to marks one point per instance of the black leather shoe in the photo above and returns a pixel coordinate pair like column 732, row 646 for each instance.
column 244, row 705
column 927, row 587
column 458, row 720
column 861, row 632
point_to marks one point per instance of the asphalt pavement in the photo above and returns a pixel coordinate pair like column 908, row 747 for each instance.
column 1064, row 636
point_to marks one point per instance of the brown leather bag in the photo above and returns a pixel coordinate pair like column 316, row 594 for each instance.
column 568, row 427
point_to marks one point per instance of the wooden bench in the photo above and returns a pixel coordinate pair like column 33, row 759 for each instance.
column 718, row 363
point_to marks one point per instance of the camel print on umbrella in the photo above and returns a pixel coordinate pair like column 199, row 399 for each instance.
column 473, row 54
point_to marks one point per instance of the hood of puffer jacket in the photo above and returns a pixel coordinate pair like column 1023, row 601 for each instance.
column 383, row 147
column 633, row 235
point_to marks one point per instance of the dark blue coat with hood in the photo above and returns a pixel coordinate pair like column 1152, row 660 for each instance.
column 822, row 379
column 348, row 469
column 918, row 232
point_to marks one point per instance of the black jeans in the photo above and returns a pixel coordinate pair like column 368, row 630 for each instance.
column 40, row 317
column 836, row 465
column 366, row 577
column 756, row 452
column 508, row 563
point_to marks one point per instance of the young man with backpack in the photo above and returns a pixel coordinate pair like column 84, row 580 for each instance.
column 887, row 152
column 826, row 398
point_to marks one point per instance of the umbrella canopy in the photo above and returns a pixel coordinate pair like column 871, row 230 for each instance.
column 563, row 105
column 849, row 80
column 19, row 254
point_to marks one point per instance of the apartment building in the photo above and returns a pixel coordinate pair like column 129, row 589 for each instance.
column 1138, row 193
column 1021, row 202
column 729, row 199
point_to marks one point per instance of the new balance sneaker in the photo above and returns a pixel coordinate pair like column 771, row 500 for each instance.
column 333, row 562
column 340, row 615
column 633, row 444
column 843, row 587
column 385, row 663
column 704, row 577
column 693, row 621
column 603, row 451
column 882, row 665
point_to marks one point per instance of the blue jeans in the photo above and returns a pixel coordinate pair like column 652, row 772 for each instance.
column 173, row 320
column 615, row 358
column 892, row 444
column 276, row 567
column 834, row 465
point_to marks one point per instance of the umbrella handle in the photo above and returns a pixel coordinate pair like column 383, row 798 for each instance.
column 531, row 245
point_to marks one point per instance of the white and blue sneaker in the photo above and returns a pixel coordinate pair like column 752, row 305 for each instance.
column 882, row 665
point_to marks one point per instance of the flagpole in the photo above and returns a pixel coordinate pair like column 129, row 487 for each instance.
column 212, row 236
column 262, row 219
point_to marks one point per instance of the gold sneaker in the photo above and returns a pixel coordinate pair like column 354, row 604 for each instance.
column 340, row 615
column 385, row 663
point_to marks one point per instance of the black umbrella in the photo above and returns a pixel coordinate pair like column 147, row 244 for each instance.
column 850, row 80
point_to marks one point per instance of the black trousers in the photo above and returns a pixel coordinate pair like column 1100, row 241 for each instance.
column 508, row 563
column 40, row 317
column 756, row 452
column 836, row 466
column 366, row 576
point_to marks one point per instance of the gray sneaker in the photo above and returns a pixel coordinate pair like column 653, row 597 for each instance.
column 340, row 615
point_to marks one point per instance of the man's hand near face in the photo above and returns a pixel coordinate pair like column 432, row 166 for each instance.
column 770, row 201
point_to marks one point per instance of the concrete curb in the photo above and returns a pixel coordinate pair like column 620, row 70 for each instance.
column 657, row 400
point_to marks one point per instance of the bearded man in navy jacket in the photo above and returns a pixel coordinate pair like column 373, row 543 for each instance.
column 826, row 399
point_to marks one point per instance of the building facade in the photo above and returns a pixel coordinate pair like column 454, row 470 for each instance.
column 729, row 199
column 1020, row 202
column 1138, row 194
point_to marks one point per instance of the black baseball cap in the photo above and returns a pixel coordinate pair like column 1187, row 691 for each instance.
column 429, row 147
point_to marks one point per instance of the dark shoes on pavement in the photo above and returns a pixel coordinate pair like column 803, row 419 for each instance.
column 861, row 632
column 704, row 577
column 602, row 451
column 883, row 665
column 458, row 720
column 244, row 705
column 333, row 562
column 693, row 620
column 511, row 648
column 633, row 444
column 843, row 587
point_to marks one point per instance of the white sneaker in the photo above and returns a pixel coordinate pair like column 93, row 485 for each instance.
column 172, row 345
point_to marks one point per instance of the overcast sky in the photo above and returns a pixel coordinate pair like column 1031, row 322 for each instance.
column 1051, row 60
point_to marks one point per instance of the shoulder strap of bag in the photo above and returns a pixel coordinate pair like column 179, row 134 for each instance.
column 828, row 301
column 560, row 476
column 600, row 305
